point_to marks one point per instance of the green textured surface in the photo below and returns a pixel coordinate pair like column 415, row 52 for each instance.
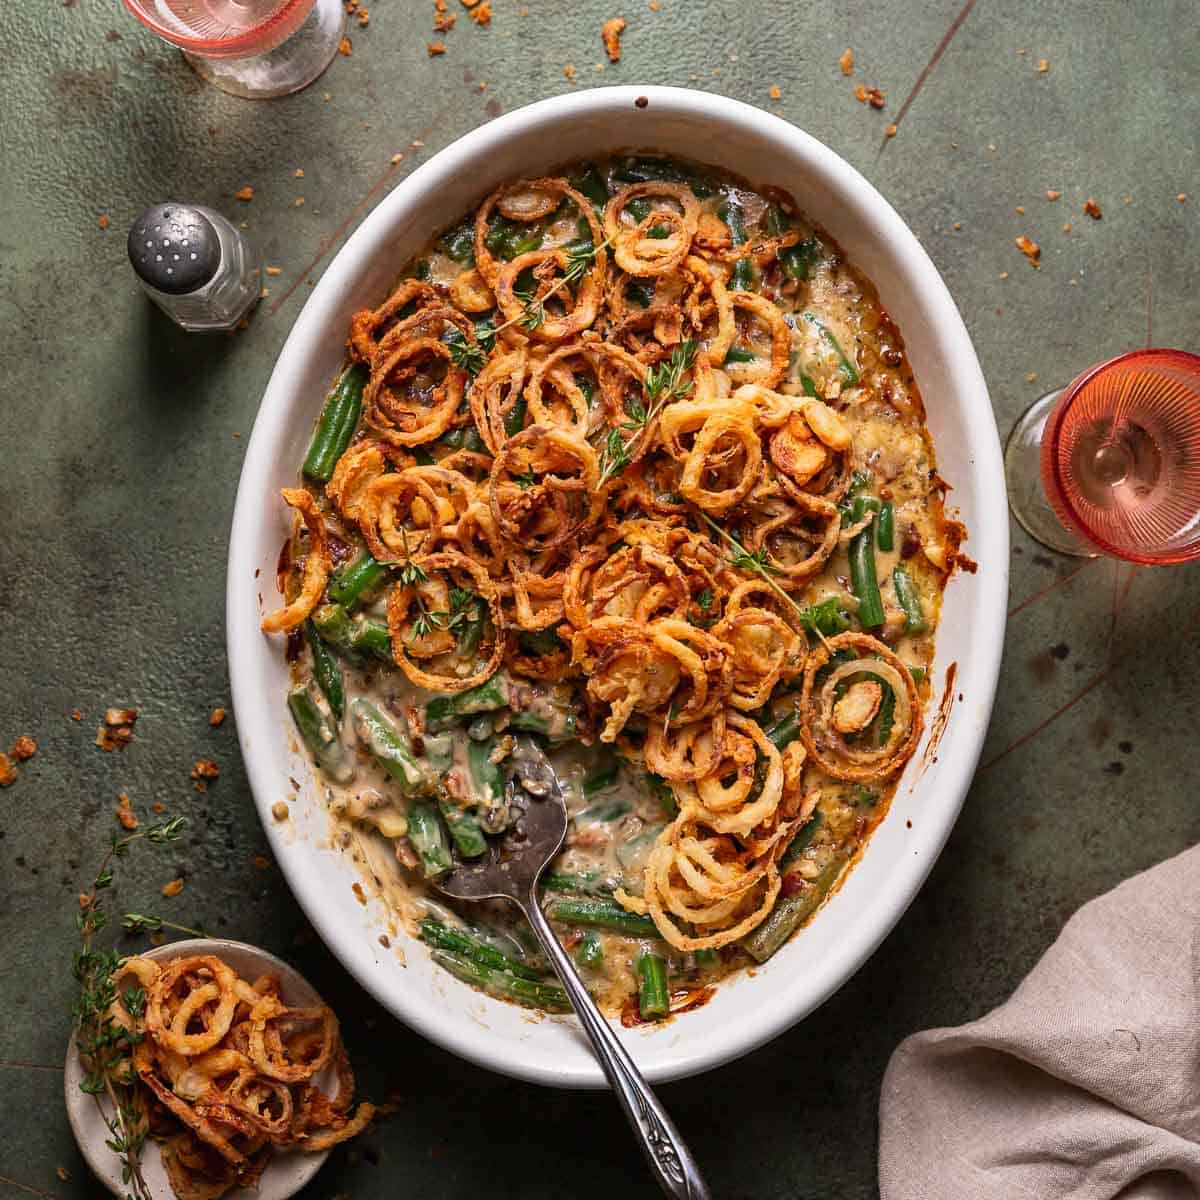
column 121, row 454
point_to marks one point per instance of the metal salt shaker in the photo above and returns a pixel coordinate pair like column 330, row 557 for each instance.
column 195, row 266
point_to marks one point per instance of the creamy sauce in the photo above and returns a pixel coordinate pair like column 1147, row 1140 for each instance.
column 845, row 348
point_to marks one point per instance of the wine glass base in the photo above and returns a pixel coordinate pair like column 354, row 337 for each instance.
column 291, row 66
column 1023, row 474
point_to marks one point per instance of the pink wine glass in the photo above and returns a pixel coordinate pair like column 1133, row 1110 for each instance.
column 1110, row 464
column 252, row 48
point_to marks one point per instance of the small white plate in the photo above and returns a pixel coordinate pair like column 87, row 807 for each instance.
column 287, row 1171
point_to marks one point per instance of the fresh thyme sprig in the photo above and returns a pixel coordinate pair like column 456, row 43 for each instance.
column 465, row 611
column 756, row 563
column 664, row 383
column 144, row 923
column 466, row 356
column 411, row 573
column 105, row 1046
column 533, row 311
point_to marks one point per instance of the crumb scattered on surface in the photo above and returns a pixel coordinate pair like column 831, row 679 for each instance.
column 957, row 224
column 1051, row 194
column 869, row 95
column 1031, row 377
column 891, row 131
column 774, row 92
column 172, row 889
column 8, row 773
column 481, row 14
column 203, row 771
column 846, row 62
column 1020, row 210
column 364, row 18
column 217, row 715
column 416, row 144
column 436, row 48
column 610, row 33
column 63, row 1174
column 274, row 270
column 1030, row 249
column 280, row 811
column 397, row 159
column 24, row 747
column 245, row 194
column 569, row 71
column 298, row 202
column 1003, row 274
column 359, row 894
column 654, row 6
column 262, row 862
column 1043, row 66
column 298, row 173
column 102, row 220
column 1067, row 227
column 1092, row 208
column 76, row 714
column 125, row 813
column 1182, row 197
column 158, row 808
column 117, row 730
column 346, row 47
column 443, row 22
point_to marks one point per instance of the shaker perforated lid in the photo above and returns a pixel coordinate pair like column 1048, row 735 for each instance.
column 174, row 248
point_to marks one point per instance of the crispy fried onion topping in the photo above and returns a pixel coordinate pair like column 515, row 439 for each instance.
column 316, row 566
column 237, row 1070
column 850, row 745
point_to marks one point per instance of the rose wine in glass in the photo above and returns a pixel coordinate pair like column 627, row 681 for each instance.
column 252, row 48
column 1110, row 464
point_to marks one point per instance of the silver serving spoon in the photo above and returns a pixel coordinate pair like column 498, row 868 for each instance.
column 510, row 869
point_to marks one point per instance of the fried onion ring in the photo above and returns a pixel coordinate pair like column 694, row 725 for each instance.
column 316, row 566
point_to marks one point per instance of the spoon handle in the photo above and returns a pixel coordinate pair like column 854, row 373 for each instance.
column 664, row 1148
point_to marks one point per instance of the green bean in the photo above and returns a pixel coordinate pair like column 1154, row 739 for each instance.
column 334, row 429
column 530, row 722
column 810, row 388
column 532, row 993
column 488, row 782
column 706, row 958
column 459, row 243
column 486, row 697
column 849, row 371
column 803, row 838
column 590, row 953
column 333, row 623
column 464, row 827
column 731, row 213
column 863, row 580
column 662, row 791
column 358, row 581
column 741, row 279
column 639, row 208
column 640, row 292
column 601, row 779
column 790, row 913
column 319, row 736
column 384, row 741
column 785, row 731
column 738, row 354
column 370, row 637
column 826, row 617
column 885, row 527
column 918, row 674
column 777, row 221
column 654, row 998
column 446, row 937
column 910, row 600
column 539, row 642
column 601, row 914
column 606, row 812
column 591, row 184
column 643, row 170
column 514, row 420
column 590, row 884
column 428, row 839
column 326, row 670
column 798, row 260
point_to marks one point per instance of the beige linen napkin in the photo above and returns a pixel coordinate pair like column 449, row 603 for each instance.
column 1086, row 1084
